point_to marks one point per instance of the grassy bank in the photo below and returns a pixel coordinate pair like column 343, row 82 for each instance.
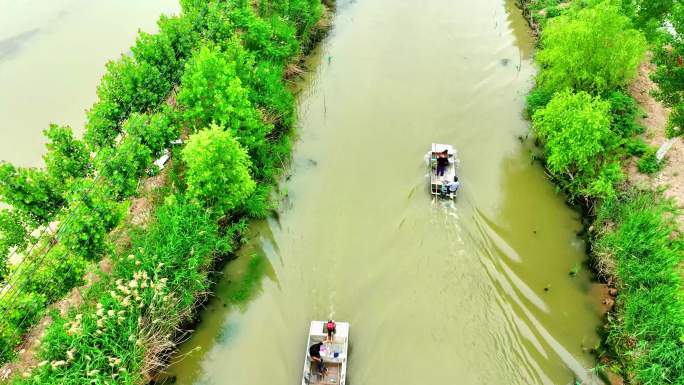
column 216, row 76
column 584, row 120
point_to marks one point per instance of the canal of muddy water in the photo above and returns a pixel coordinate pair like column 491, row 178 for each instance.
column 476, row 291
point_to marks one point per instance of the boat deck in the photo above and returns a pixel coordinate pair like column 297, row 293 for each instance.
column 332, row 375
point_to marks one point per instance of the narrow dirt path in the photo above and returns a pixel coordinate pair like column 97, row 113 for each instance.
column 670, row 178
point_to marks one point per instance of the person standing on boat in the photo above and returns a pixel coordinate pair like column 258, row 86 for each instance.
column 442, row 162
column 315, row 354
column 331, row 329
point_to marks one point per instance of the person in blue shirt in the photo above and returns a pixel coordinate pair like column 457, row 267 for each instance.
column 454, row 186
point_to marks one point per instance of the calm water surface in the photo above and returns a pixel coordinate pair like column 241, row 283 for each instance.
column 436, row 292
column 52, row 56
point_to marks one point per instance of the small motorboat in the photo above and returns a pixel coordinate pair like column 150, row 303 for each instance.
column 443, row 182
column 333, row 355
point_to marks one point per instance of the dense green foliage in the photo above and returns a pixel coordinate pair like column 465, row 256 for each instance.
column 570, row 58
column 668, row 52
column 577, row 138
column 227, row 59
column 127, row 86
column 90, row 217
column 648, row 163
column 211, row 92
column 52, row 276
column 623, row 110
column 641, row 234
column 13, row 234
column 124, row 165
column 217, row 170
column 648, row 15
column 67, row 158
column 593, row 47
column 134, row 310
column 30, row 191
column 155, row 132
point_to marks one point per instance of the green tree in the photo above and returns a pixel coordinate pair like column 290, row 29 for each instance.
column 577, row 137
column 92, row 214
column 155, row 131
column 217, row 170
column 648, row 15
column 181, row 35
column 594, row 49
column 302, row 14
column 13, row 234
column 211, row 92
column 30, row 191
column 127, row 86
column 669, row 72
column 124, row 165
column 157, row 50
column 67, row 158
column 102, row 126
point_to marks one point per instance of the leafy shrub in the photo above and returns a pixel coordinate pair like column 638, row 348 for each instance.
column 676, row 123
column 30, row 191
column 553, row 11
column 13, row 234
column 154, row 132
column 67, row 158
column 134, row 86
column 623, row 110
column 91, row 215
column 182, row 37
column 124, row 165
column 636, row 147
column 102, row 126
column 157, row 50
column 127, row 86
column 217, row 170
column 264, row 83
column 19, row 312
column 575, row 130
column 273, row 40
column 59, row 271
column 667, row 55
column 211, row 92
column 303, row 14
column 570, row 57
column 270, row 92
column 648, row 15
column 649, row 164
column 259, row 204
column 536, row 99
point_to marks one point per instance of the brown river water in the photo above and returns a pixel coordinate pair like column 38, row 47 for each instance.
column 475, row 291
column 52, row 55
column 436, row 292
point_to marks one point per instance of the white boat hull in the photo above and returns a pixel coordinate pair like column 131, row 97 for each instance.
column 334, row 355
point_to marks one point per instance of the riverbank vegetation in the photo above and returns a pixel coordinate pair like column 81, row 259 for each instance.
column 584, row 120
column 214, row 76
